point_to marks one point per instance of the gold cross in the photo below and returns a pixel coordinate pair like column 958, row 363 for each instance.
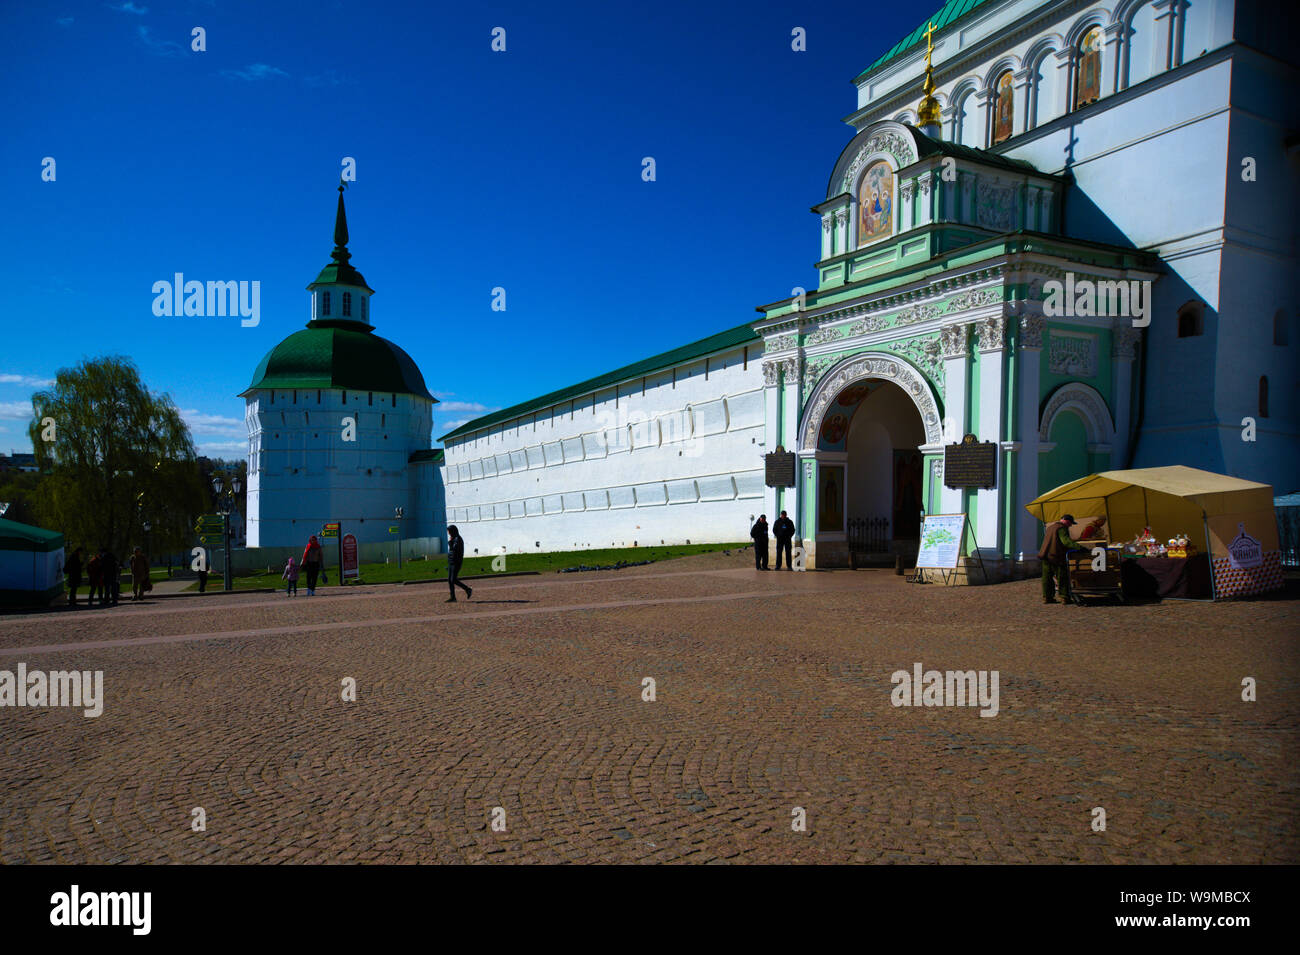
column 929, row 42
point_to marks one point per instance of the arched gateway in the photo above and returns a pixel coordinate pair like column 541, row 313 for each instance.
column 861, row 444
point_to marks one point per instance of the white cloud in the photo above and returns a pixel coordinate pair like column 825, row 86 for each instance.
column 445, row 406
column 157, row 46
column 448, row 426
column 222, row 449
column 16, row 410
column 128, row 7
column 214, row 424
column 65, row 21
column 30, row 381
column 254, row 71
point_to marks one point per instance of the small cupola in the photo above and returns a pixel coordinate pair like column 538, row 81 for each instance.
column 340, row 294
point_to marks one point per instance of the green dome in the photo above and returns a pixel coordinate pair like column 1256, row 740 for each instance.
column 338, row 353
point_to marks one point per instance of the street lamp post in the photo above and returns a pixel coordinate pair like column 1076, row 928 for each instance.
column 397, row 512
column 226, row 492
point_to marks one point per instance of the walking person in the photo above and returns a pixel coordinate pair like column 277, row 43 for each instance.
column 783, row 531
column 139, row 575
column 203, row 579
column 312, row 558
column 759, row 533
column 95, row 575
column 455, row 557
column 1057, row 544
column 290, row 576
column 73, row 568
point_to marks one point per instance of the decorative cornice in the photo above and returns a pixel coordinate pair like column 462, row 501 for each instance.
column 885, row 141
column 873, row 365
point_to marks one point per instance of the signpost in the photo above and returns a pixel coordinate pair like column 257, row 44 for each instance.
column 970, row 464
column 330, row 530
column 349, row 565
column 211, row 529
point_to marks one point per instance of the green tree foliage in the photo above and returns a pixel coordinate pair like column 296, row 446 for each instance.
column 120, row 457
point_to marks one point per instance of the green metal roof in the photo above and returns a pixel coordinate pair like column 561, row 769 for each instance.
column 740, row 335
column 24, row 537
column 929, row 146
column 949, row 13
column 336, row 353
column 428, row 454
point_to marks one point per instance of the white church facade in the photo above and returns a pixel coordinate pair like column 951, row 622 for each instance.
column 1065, row 228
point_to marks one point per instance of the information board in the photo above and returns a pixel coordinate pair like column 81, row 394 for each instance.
column 970, row 464
column 780, row 468
column 350, row 565
column 941, row 541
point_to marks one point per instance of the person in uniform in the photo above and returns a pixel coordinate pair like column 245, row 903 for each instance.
column 1057, row 543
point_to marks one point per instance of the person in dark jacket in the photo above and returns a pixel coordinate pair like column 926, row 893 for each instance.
column 783, row 531
column 1057, row 543
column 73, row 568
column 759, row 533
column 111, row 570
column 95, row 575
column 455, row 557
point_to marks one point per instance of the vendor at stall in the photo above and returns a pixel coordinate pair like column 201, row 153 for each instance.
column 1057, row 543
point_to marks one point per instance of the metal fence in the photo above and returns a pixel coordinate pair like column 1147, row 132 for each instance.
column 868, row 535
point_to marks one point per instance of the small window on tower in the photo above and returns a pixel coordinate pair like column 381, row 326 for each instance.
column 347, row 304
column 394, row 400
column 364, row 301
column 325, row 304
column 371, row 396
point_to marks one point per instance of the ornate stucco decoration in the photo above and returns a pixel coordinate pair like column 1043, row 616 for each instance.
column 827, row 222
column 1124, row 342
column 769, row 373
column 1072, row 354
column 975, row 298
column 822, row 335
column 885, row 141
column 789, row 369
column 952, row 341
column 782, row 342
column 924, row 353
column 917, row 313
column 873, row 365
column 866, row 326
column 1090, row 406
column 992, row 333
column 1031, row 331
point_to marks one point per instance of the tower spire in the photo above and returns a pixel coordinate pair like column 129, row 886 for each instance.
column 341, row 253
column 927, row 116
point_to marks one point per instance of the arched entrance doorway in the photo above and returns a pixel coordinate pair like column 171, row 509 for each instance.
column 870, row 472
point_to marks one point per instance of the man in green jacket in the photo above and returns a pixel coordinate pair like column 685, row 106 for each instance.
column 1057, row 543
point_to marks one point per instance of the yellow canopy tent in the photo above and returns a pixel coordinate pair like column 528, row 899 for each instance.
column 1233, row 517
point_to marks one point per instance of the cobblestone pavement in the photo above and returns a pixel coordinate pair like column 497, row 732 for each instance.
column 773, row 691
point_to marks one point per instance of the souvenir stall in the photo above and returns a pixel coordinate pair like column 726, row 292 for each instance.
column 1176, row 531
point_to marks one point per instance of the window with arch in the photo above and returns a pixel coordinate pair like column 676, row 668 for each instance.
column 1087, row 86
column 1045, row 89
column 1280, row 336
column 1189, row 321
column 347, row 304
column 966, row 120
column 1263, row 396
column 876, row 203
column 325, row 303
column 1141, row 47
column 1004, row 107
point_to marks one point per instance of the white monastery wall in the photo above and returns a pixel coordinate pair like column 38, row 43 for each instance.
column 613, row 468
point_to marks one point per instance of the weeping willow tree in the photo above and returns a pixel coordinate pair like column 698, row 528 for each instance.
column 113, row 456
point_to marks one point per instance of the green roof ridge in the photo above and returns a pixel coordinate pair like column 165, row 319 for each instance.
column 724, row 339
column 948, row 14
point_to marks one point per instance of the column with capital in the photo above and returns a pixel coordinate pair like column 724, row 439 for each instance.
column 1112, row 45
column 956, row 357
column 991, row 333
column 983, row 119
column 1028, row 382
column 772, row 431
column 1021, row 117
column 1167, row 35
column 1125, row 340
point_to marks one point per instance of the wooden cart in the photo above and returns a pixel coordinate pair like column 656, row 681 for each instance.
column 1089, row 584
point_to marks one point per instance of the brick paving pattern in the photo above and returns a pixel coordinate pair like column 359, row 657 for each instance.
column 773, row 692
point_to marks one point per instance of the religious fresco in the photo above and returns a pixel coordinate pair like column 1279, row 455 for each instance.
column 835, row 427
column 830, row 511
column 1004, row 117
column 876, row 203
column 1088, row 87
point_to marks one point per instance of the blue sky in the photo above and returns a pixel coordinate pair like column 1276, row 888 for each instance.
column 474, row 169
